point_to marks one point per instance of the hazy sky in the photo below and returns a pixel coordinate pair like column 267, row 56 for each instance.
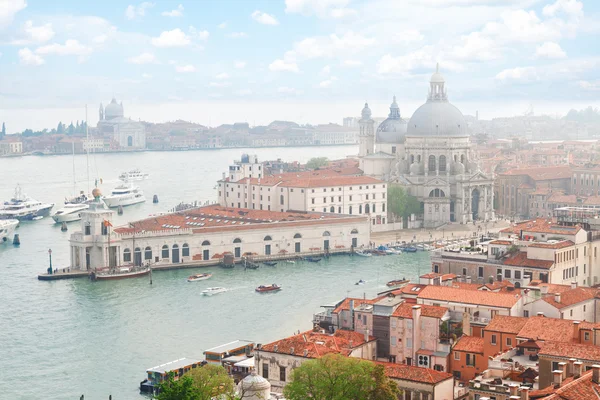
column 312, row 61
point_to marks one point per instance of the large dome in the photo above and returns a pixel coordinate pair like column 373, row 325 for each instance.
column 113, row 110
column 437, row 117
column 393, row 129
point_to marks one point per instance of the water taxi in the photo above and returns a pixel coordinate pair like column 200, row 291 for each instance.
column 199, row 277
column 397, row 282
column 119, row 273
column 268, row 288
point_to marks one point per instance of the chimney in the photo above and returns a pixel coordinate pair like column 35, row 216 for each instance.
column 350, row 343
column 596, row 374
column 524, row 393
column 557, row 378
column 571, row 367
column 577, row 368
column 366, row 336
column 514, row 389
column 292, row 350
column 573, row 285
column 469, row 279
column 563, row 368
column 544, row 289
column 515, row 397
column 275, row 348
column 576, row 331
column 557, row 297
column 499, row 277
column 540, row 314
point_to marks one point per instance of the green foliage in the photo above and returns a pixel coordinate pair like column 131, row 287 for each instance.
column 402, row 204
column 317, row 162
column 205, row 383
column 335, row 377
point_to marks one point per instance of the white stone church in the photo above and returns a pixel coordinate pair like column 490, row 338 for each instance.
column 431, row 156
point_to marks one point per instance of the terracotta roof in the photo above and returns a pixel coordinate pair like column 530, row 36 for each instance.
column 430, row 275
column 541, row 225
column 317, row 344
column 492, row 299
column 559, row 245
column 405, row 310
column 586, row 352
column 469, row 344
column 416, row 374
column 499, row 285
column 543, row 328
column 314, row 178
column 345, row 304
column 465, row 286
column 448, row 277
column 410, row 289
column 502, row 242
column 583, row 388
column 571, row 297
column 543, row 173
column 520, row 260
column 506, row 324
column 530, row 344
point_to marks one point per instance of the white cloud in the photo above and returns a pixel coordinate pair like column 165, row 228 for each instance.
column 222, row 25
column 330, row 46
column 144, row 58
column 100, row 39
column 8, row 9
column 320, row 8
column 325, row 84
column 185, row 68
column 219, row 84
column 146, row 76
column 28, row 57
column 282, row 65
column 408, row 36
column 590, row 85
column 244, row 92
column 133, row 12
column 288, row 90
column 178, row 12
column 34, row 34
column 72, row 47
column 264, row 18
column 201, row 35
column 339, row 13
column 222, row 75
column 351, row 63
column 174, row 38
column 240, row 64
column 475, row 47
column 422, row 58
column 518, row 75
column 569, row 7
column 550, row 50
column 522, row 26
column 326, row 70
column 237, row 35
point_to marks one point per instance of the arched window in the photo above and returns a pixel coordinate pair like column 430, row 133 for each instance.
column 185, row 250
column 431, row 163
column 126, row 255
column 175, row 247
column 165, row 251
column 267, row 238
column 237, row 240
column 297, row 236
column 437, row 193
column 360, row 208
column 332, row 209
column 206, row 243
column 442, row 166
column 350, row 210
column 137, row 256
column 354, row 231
column 326, row 233
column 367, row 209
column 462, row 158
column 374, row 205
column 412, row 158
column 148, row 253
column 455, row 157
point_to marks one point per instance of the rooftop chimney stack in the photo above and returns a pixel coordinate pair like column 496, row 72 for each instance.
column 524, row 393
column 577, row 368
column 514, row 390
column 563, row 368
column 596, row 374
column 557, row 297
column 576, row 331
column 540, row 314
column 571, row 367
column 366, row 335
column 557, row 378
column 499, row 277
column 573, row 285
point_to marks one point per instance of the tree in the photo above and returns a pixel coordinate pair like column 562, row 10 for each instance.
column 335, row 377
column 71, row 129
column 316, row 162
column 60, row 129
column 402, row 204
column 205, row 383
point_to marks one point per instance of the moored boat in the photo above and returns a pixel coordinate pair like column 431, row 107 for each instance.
column 199, row 277
column 312, row 259
column 133, row 175
column 70, row 212
column 24, row 208
column 360, row 282
column 213, row 290
column 410, row 249
column 119, row 273
column 270, row 263
column 7, row 228
column 124, row 195
column 397, row 282
column 268, row 288
column 362, row 253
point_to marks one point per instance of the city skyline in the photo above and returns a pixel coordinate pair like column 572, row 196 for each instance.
column 301, row 60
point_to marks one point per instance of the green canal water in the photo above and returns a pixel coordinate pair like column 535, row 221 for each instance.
column 59, row 340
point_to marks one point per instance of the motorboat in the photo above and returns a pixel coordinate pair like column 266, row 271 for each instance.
column 410, row 249
column 268, row 288
column 133, row 175
column 7, row 228
column 70, row 212
column 290, row 261
column 251, row 265
column 213, row 290
column 199, row 277
column 312, row 259
column 397, row 282
column 119, row 273
column 360, row 282
column 270, row 263
column 124, row 195
column 24, row 208
column 362, row 253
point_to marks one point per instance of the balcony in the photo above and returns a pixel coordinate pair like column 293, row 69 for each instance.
column 323, row 318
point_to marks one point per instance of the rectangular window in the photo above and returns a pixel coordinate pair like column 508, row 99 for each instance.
column 493, row 340
column 265, row 371
column 282, row 374
column 470, row 360
column 350, row 197
column 480, row 273
column 517, row 274
column 509, row 342
column 586, row 336
column 393, row 341
column 456, row 355
column 409, row 343
column 555, row 366
column 313, row 201
column 507, row 273
column 88, row 229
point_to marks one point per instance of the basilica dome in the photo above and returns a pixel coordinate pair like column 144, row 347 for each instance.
column 113, row 110
column 437, row 117
column 393, row 129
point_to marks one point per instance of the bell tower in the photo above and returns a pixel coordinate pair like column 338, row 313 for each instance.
column 367, row 135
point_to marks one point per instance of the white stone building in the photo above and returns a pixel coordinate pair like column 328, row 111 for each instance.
column 128, row 134
column 10, row 147
column 431, row 156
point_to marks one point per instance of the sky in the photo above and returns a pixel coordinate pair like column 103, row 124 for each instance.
column 311, row 61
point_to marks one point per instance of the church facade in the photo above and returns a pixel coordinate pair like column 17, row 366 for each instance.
column 126, row 133
column 431, row 157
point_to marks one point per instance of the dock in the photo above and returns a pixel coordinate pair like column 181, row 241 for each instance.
column 74, row 274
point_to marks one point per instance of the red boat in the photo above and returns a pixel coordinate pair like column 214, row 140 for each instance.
column 268, row 288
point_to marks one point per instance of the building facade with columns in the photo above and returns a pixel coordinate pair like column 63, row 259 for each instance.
column 431, row 156
column 128, row 134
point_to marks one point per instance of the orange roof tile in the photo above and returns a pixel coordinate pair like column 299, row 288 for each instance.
column 571, row 297
column 465, row 286
column 470, row 344
column 405, row 310
column 541, row 225
column 586, row 352
column 506, row 324
column 430, row 275
column 492, row 299
column 345, row 304
column 559, row 245
column 543, row 328
column 315, row 344
column 542, row 173
column 583, row 388
column 520, row 260
column 416, row 374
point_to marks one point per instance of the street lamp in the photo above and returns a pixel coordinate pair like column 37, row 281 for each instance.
column 50, row 257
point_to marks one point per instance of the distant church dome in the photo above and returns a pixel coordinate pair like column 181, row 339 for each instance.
column 393, row 129
column 437, row 117
column 366, row 112
column 113, row 110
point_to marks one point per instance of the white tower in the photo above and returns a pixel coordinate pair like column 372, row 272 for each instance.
column 367, row 132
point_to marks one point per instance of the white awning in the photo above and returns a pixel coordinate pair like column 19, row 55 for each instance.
column 248, row 363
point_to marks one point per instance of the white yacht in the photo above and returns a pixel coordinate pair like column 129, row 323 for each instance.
column 7, row 228
column 124, row 195
column 70, row 212
column 133, row 175
column 24, row 208
column 213, row 290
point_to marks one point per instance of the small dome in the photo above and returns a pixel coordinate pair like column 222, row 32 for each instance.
column 366, row 112
column 113, row 110
column 255, row 383
column 96, row 193
column 393, row 129
column 436, row 77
